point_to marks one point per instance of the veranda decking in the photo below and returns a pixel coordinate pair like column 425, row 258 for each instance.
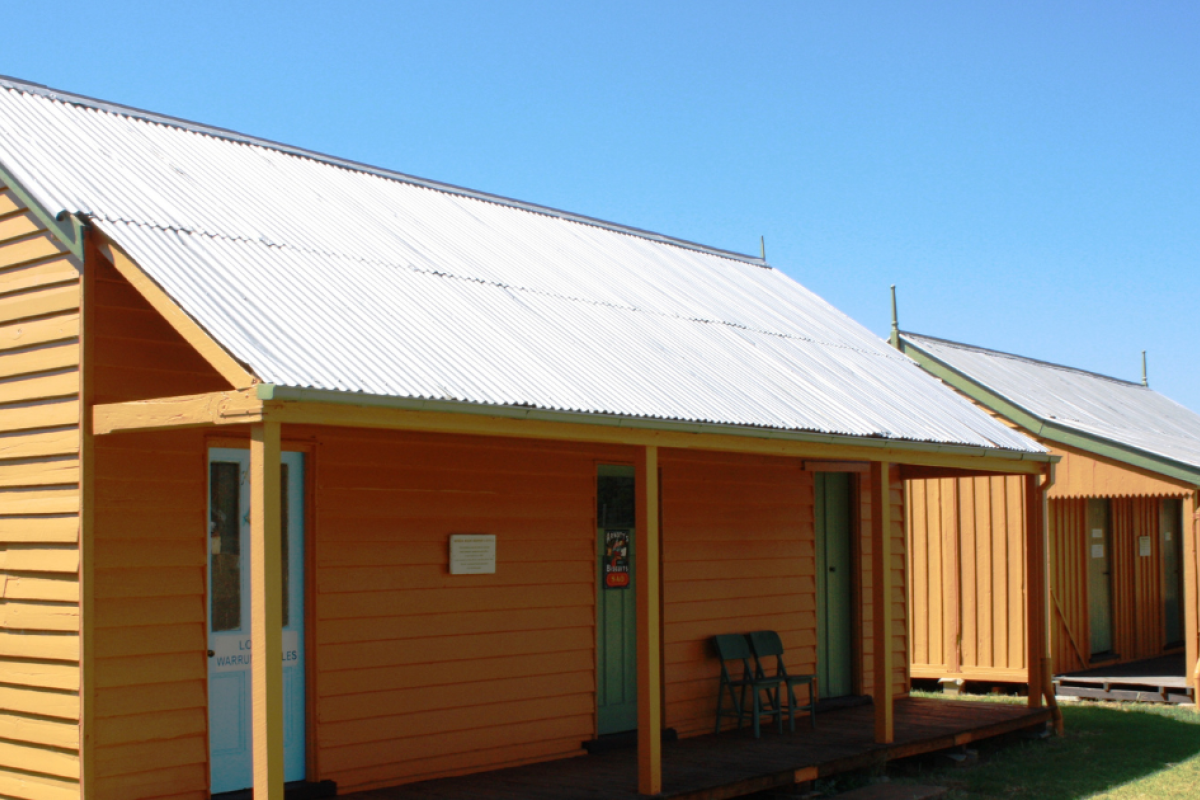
column 1154, row 680
column 733, row 763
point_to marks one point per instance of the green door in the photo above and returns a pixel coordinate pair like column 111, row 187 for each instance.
column 616, row 607
column 835, row 584
column 1170, row 527
column 1099, row 558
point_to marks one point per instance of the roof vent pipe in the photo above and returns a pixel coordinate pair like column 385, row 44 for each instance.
column 895, row 337
column 762, row 243
column 1144, row 381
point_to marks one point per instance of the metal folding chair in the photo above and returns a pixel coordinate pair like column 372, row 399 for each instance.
column 766, row 644
column 735, row 647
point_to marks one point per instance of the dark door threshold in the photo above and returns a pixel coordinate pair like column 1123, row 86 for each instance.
column 295, row 790
column 849, row 701
column 1104, row 658
column 621, row 741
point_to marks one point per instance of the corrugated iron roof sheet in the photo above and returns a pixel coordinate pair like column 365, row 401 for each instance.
column 318, row 274
column 1129, row 414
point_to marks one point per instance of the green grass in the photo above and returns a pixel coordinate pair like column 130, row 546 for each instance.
column 1111, row 750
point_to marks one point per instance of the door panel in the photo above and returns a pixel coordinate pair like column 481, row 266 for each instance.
column 229, row 618
column 616, row 601
column 1170, row 526
column 835, row 584
column 1099, row 558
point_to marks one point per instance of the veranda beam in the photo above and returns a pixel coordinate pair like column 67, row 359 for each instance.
column 189, row 411
column 295, row 407
column 649, row 626
column 266, row 610
column 881, row 600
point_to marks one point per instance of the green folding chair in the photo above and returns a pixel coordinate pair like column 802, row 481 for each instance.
column 735, row 647
column 766, row 644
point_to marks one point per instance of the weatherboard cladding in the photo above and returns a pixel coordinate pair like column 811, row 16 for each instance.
column 321, row 276
column 1126, row 413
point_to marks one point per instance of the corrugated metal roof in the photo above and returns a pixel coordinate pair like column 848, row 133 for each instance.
column 1126, row 413
column 318, row 274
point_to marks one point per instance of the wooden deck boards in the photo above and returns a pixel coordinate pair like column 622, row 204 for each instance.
column 733, row 764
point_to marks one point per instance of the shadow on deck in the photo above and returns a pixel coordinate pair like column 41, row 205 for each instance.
column 733, row 763
column 1153, row 680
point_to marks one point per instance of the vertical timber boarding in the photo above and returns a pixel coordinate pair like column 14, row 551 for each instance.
column 39, row 509
column 967, row 570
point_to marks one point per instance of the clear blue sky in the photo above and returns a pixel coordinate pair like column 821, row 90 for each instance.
column 1027, row 173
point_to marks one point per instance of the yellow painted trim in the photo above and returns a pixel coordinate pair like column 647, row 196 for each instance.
column 86, row 540
column 649, row 628
column 881, row 601
column 341, row 415
column 1191, row 574
column 230, row 368
column 250, row 405
column 266, row 610
column 189, row 411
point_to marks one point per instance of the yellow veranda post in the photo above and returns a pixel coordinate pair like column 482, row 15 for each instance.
column 649, row 627
column 266, row 610
column 881, row 597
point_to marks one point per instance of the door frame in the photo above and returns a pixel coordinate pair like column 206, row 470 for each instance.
column 857, row 532
column 307, row 446
column 596, row 463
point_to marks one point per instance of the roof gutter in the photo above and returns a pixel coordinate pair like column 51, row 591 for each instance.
column 1047, row 429
column 269, row 391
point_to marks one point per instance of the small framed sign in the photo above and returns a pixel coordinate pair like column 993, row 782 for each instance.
column 1144, row 546
column 616, row 558
column 472, row 553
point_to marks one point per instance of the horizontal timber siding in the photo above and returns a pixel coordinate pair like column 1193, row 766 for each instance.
column 39, row 509
column 420, row 673
column 738, row 556
column 151, row 684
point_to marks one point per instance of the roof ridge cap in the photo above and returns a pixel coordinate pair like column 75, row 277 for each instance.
column 1029, row 359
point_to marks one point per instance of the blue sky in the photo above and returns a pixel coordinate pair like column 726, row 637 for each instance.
column 1028, row 174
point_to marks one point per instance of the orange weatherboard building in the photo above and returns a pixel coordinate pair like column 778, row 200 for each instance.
column 317, row 477
column 1121, row 531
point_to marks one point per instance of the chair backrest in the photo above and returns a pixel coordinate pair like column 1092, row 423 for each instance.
column 732, row 646
column 766, row 644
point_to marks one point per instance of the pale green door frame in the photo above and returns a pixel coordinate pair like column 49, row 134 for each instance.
column 1170, row 529
column 1099, row 559
column 834, row 523
column 616, row 601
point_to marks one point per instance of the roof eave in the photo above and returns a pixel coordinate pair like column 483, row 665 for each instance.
column 1050, row 430
column 1000, row 456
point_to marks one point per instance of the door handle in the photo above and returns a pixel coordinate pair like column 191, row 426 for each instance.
column 833, row 569
column 212, row 653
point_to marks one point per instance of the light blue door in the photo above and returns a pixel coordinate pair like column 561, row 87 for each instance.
column 229, row 618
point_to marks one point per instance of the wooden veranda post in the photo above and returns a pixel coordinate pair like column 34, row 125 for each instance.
column 1190, row 575
column 266, row 610
column 1035, row 586
column 881, row 599
column 649, row 626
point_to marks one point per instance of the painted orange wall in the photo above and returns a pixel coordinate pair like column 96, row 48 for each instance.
column 39, row 510
column 151, row 682
column 418, row 673
column 968, row 574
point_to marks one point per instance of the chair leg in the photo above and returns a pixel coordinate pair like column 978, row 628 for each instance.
column 757, row 708
column 791, row 708
column 812, row 701
column 720, row 705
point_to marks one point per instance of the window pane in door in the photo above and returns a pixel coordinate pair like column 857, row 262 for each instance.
column 283, row 528
column 225, row 542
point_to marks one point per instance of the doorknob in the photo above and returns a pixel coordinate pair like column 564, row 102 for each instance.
column 833, row 569
column 212, row 653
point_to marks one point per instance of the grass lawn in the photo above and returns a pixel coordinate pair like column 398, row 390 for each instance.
column 1110, row 750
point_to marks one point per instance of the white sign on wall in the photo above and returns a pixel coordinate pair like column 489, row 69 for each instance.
column 1097, row 551
column 1097, row 533
column 1143, row 546
column 472, row 553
